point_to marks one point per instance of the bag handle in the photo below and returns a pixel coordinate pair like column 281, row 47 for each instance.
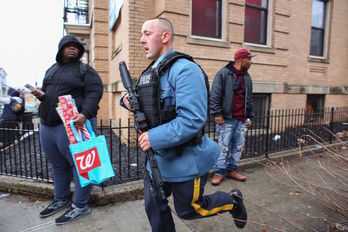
column 77, row 136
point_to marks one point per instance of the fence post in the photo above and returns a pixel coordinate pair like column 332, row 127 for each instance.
column 267, row 132
column 331, row 123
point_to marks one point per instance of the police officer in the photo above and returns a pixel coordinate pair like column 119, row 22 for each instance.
column 185, row 174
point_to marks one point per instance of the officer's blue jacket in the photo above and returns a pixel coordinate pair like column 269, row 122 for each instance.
column 183, row 85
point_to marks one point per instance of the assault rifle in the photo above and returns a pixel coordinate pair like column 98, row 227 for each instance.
column 140, row 127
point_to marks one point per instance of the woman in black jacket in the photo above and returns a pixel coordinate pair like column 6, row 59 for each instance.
column 67, row 77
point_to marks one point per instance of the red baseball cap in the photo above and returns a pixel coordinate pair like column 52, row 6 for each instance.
column 242, row 53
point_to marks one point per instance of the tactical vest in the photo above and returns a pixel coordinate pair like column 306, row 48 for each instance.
column 148, row 90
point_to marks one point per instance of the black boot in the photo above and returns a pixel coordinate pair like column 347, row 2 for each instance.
column 238, row 212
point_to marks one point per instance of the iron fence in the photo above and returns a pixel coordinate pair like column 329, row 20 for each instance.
column 271, row 131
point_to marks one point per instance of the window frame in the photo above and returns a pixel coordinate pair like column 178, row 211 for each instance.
column 199, row 39
column 265, row 99
column 269, row 26
column 327, row 18
column 313, row 114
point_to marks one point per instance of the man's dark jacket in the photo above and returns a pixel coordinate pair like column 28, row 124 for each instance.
column 86, row 88
column 8, row 112
column 222, row 93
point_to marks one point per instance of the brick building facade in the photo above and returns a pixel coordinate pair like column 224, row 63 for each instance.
column 301, row 46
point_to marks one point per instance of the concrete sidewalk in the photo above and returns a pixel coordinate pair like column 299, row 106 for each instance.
column 270, row 198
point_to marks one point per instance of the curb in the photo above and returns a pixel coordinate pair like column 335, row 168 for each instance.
column 135, row 190
column 114, row 193
column 117, row 193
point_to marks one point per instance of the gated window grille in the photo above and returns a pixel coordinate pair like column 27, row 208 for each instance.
column 76, row 11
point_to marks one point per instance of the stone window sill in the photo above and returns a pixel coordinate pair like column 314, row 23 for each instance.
column 259, row 48
column 208, row 41
column 317, row 59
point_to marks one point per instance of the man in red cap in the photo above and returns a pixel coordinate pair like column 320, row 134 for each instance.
column 231, row 104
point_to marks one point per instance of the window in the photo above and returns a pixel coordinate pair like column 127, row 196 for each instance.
column 256, row 20
column 206, row 18
column 318, row 27
column 261, row 105
column 314, row 107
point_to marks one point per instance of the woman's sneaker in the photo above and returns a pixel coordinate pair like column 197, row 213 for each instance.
column 238, row 212
column 54, row 207
column 72, row 214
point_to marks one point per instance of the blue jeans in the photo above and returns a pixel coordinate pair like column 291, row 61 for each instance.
column 231, row 141
column 55, row 143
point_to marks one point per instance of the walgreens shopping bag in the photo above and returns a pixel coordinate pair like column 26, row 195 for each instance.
column 66, row 110
column 91, row 157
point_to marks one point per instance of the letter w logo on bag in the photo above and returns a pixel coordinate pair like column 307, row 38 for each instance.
column 87, row 161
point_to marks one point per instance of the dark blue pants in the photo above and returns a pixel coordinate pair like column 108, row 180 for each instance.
column 189, row 203
column 55, row 143
column 10, row 132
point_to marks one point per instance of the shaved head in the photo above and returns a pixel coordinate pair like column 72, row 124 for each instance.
column 157, row 37
column 165, row 26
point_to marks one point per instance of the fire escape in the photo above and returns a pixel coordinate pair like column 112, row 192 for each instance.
column 76, row 21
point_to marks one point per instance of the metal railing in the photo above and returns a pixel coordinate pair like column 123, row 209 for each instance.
column 271, row 131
